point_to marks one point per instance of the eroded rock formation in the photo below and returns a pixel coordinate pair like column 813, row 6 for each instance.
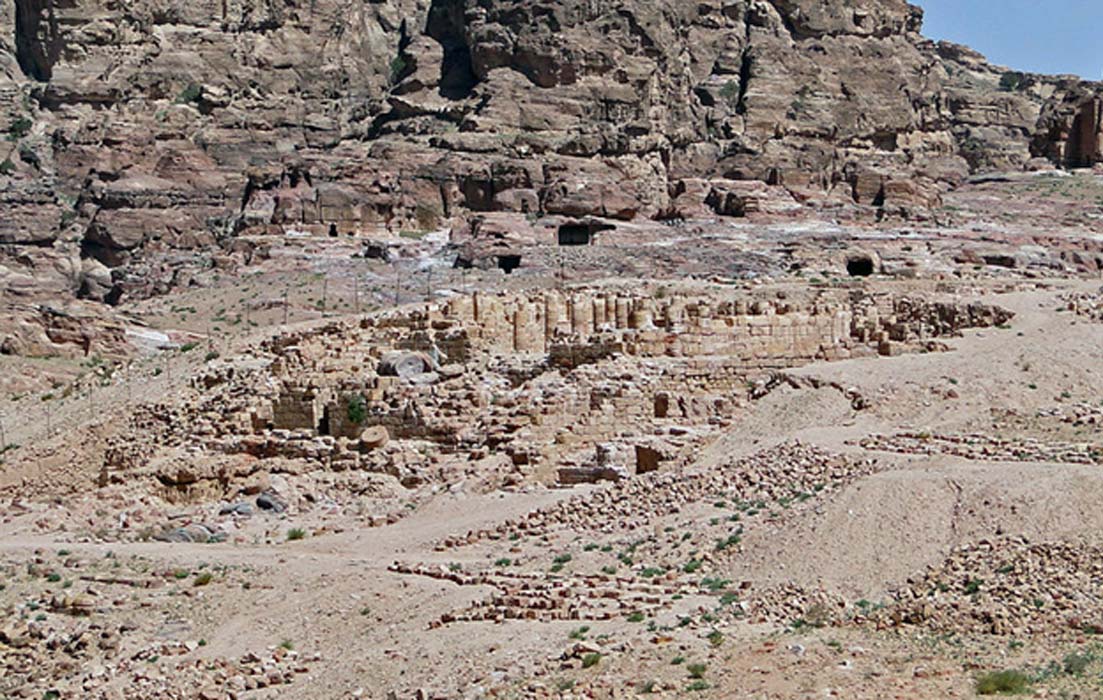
column 136, row 127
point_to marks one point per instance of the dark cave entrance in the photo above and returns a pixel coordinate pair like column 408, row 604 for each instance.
column 509, row 263
column 446, row 24
column 574, row 234
column 580, row 234
column 859, row 266
column 38, row 41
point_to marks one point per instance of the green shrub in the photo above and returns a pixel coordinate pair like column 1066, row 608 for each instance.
column 1076, row 664
column 591, row 660
column 357, row 409
column 1003, row 683
column 1012, row 81
column 19, row 128
column 203, row 579
column 189, row 94
column 730, row 92
column 295, row 533
column 398, row 68
column 696, row 670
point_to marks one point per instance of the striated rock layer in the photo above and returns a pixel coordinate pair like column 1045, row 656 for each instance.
column 163, row 125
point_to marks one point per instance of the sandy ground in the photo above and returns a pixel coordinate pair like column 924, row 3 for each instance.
column 362, row 629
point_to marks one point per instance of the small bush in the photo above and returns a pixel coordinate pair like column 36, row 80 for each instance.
column 189, row 94
column 635, row 617
column 1012, row 81
column 696, row 686
column 357, row 409
column 398, row 68
column 562, row 559
column 188, row 347
column 1003, row 683
column 19, row 128
column 1076, row 664
column 203, row 579
column 730, row 92
column 579, row 633
column 295, row 533
column 504, row 561
column 696, row 670
column 7, row 167
column 591, row 660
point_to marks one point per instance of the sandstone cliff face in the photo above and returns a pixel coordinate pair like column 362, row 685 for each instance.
column 153, row 125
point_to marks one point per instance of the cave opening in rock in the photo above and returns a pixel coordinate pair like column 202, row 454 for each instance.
column 509, row 263
column 447, row 26
column 580, row 234
column 333, row 231
column 574, row 234
column 859, row 266
column 37, row 39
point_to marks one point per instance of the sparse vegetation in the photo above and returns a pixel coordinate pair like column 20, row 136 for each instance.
column 190, row 94
column 1003, row 683
column 356, row 408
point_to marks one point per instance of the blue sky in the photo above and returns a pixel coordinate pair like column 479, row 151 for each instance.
column 1040, row 36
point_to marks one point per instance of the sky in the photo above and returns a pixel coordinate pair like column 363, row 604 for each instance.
column 1037, row 36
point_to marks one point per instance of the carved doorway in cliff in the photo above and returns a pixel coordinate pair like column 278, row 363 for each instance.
column 509, row 263
column 859, row 266
column 1083, row 144
column 576, row 234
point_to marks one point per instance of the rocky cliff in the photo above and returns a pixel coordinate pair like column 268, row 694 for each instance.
column 162, row 125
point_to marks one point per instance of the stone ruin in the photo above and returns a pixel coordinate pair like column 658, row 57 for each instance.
column 511, row 388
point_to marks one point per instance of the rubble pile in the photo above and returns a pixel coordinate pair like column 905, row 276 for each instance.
column 1008, row 586
column 82, row 629
column 986, row 448
column 1077, row 415
column 539, row 596
column 1086, row 304
column 792, row 470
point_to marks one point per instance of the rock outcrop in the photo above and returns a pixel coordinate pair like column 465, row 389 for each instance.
column 158, row 126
